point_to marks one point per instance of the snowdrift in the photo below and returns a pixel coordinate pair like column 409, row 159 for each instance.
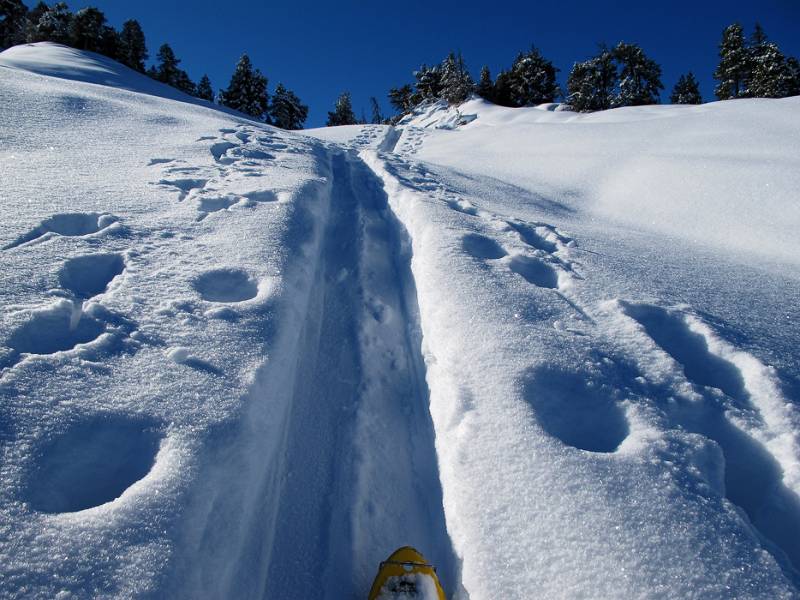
column 556, row 353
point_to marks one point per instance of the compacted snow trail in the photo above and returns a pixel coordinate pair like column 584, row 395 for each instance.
column 359, row 475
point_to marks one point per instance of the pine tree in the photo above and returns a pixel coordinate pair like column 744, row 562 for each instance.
column 532, row 79
column 429, row 83
column 503, row 92
column 485, row 87
column 247, row 91
column 285, row 109
column 133, row 50
column 686, row 91
column 109, row 42
column 639, row 77
column 32, row 21
column 793, row 85
column 204, row 89
column 343, row 113
column 167, row 70
column 13, row 18
column 771, row 76
column 590, row 84
column 377, row 116
column 53, row 25
column 402, row 98
column 456, row 82
column 169, row 73
column 86, row 29
column 734, row 65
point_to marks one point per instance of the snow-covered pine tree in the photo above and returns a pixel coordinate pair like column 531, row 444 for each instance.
column 86, row 29
column 53, row 25
column 639, row 76
column 402, row 98
column 247, row 91
column 456, row 82
column 485, row 87
column 132, row 46
column 533, row 79
column 32, row 21
column 591, row 83
column 343, row 113
column 734, row 66
column 771, row 76
column 686, row 91
column 13, row 15
column 285, row 109
column 377, row 115
column 204, row 90
column 793, row 85
column 429, row 82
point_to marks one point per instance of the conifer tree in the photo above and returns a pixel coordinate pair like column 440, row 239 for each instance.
column 456, row 82
column 32, row 21
column 771, row 76
column 133, row 50
column 168, row 71
column 503, row 93
column 53, row 25
column 204, row 90
column 686, row 91
column 429, row 83
column 86, row 29
column 734, row 65
column 793, row 85
column 532, row 79
column 590, row 84
column 402, row 98
column 485, row 87
column 109, row 42
column 377, row 116
column 639, row 77
column 285, row 109
column 247, row 91
column 13, row 18
column 343, row 112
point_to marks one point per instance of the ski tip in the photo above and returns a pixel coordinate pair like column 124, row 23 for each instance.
column 406, row 574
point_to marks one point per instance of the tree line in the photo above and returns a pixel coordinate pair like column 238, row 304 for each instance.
column 87, row 29
column 622, row 75
column 619, row 76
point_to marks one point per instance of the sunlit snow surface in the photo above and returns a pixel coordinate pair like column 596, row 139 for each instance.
column 557, row 353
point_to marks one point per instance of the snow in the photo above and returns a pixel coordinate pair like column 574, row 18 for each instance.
column 555, row 352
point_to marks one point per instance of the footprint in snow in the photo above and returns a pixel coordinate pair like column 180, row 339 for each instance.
column 66, row 224
column 482, row 247
column 184, row 186
column 753, row 476
column 226, row 285
column 89, row 275
column 573, row 409
column 92, row 462
column 532, row 238
column 534, row 271
column 58, row 328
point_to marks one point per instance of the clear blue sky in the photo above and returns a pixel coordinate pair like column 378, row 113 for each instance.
column 319, row 49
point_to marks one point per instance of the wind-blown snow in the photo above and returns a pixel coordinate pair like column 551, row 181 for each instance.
column 555, row 352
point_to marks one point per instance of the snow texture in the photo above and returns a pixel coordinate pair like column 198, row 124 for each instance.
column 557, row 353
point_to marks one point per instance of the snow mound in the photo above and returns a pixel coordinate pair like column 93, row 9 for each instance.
column 57, row 60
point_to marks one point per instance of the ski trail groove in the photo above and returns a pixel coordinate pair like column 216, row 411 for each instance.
column 359, row 475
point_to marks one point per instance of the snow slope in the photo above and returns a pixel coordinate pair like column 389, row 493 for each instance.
column 557, row 353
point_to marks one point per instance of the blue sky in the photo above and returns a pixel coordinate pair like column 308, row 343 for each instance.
column 319, row 49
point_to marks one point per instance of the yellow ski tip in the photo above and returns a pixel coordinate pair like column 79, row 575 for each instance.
column 406, row 568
